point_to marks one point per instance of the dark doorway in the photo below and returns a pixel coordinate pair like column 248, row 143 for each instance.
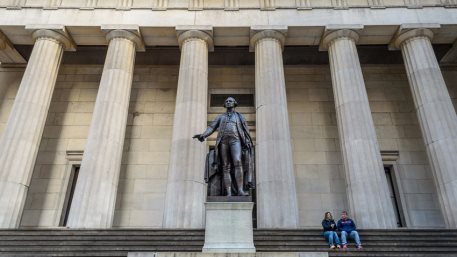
column 69, row 196
column 394, row 195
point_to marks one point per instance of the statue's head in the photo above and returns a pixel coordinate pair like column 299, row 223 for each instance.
column 230, row 102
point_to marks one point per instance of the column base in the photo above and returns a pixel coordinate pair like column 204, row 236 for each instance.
column 229, row 227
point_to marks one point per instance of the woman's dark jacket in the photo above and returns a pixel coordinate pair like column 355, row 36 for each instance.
column 326, row 224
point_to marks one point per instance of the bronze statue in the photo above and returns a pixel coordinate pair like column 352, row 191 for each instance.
column 233, row 154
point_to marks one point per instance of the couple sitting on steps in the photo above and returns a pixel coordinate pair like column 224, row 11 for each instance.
column 347, row 228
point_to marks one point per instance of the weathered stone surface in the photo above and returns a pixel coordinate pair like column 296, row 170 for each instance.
column 276, row 193
column 186, row 190
column 95, row 193
column 21, row 139
column 228, row 227
column 436, row 115
column 367, row 189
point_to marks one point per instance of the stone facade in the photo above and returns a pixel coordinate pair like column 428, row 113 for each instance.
column 317, row 160
column 317, row 163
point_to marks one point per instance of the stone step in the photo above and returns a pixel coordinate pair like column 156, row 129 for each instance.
column 399, row 232
column 117, row 242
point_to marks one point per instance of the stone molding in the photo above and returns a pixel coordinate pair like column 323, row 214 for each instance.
column 129, row 32
column 55, row 32
column 273, row 32
column 204, row 33
column 231, row 5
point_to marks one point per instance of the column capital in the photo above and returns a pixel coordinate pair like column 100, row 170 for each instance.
column 205, row 33
column 56, row 32
column 261, row 32
column 127, row 31
column 333, row 32
column 408, row 31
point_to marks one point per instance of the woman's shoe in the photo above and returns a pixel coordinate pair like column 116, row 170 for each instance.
column 338, row 246
column 345, row 247
column 359, row 247
column 332, row 247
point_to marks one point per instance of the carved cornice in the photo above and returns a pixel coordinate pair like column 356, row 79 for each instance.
column 269, row 5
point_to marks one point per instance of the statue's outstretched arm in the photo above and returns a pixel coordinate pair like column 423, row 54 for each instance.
column 210, row 130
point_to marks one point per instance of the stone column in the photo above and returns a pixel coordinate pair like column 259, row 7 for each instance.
column 275, row 179
column 95, row 193
column 22, row 136
column 436, row 114
column 367, row 190
column 186, row 189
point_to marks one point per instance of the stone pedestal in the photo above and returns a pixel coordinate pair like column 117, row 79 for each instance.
column 229, row 227
column 22, row 136
column 436, row 114
column 367, row 189
column 186, row 189
column 95, row 193
column 275, row 178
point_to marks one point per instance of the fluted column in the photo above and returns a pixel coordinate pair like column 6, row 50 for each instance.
column 95, row 193
column 275, row 181
column 367, row 189
column 436, row 114
column 22, row 136
column 186, row 189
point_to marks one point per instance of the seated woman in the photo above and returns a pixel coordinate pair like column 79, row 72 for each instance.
column 330, row 231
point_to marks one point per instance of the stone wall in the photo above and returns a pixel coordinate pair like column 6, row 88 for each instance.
column 318, row 166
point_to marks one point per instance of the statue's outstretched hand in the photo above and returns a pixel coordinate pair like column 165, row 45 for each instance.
column 199, row 137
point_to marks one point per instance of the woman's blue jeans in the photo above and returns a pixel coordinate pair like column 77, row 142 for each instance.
column 331, row 237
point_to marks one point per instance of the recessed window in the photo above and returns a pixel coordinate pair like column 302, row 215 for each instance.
column 243, row 100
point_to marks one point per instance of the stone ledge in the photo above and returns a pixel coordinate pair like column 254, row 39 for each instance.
column 264, row 254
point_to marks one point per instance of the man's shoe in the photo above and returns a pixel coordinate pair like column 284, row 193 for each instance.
column 345, row 247
column 359, row 247
column 332, row 247
column 338, row 246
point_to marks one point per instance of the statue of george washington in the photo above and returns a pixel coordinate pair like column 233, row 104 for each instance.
column 230, row 166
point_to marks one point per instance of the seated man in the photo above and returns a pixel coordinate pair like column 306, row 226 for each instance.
column 347, row 227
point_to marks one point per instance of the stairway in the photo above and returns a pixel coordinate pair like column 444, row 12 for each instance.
column 118, row 242
column 113, row 242
column 376, row 243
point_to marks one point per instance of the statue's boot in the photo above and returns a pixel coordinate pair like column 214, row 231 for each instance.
column 240, row 181
column 227, row 180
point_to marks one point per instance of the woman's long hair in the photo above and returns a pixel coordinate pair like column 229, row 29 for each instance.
column 328, row 213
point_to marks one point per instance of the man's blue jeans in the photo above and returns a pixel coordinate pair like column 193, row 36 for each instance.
column 353, row 235
column 331, row 237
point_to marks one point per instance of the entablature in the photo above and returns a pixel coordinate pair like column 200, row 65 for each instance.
column 229, row 5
